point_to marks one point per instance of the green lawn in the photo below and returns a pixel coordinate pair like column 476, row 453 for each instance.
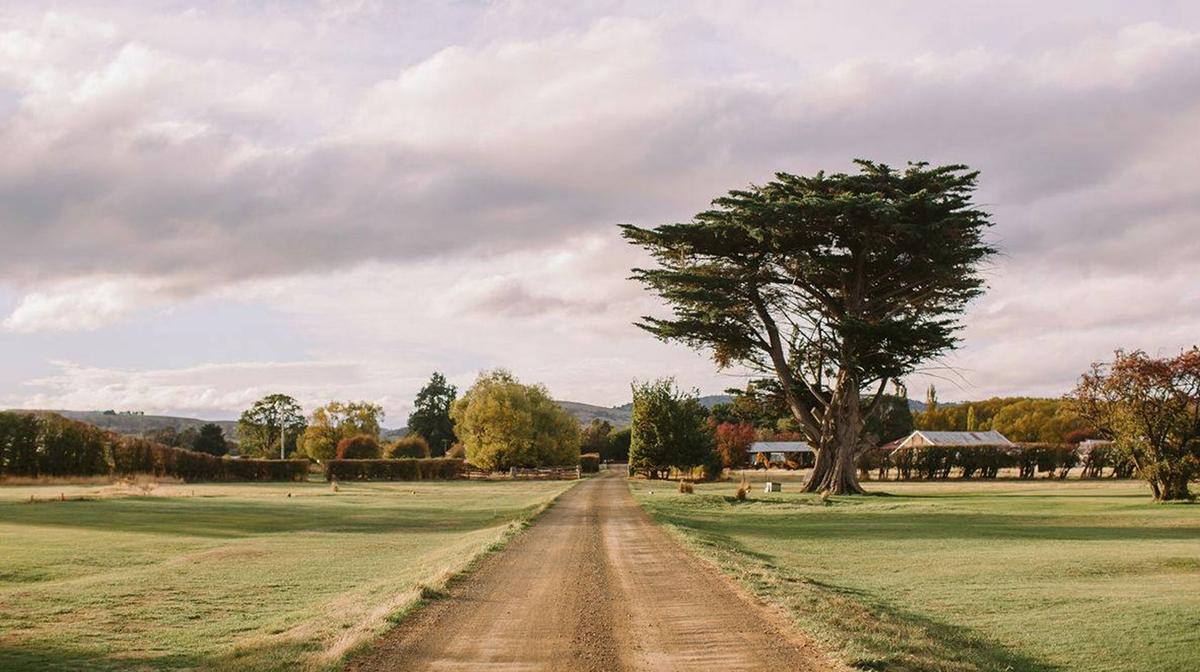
column 979, row 576
column 233, row 577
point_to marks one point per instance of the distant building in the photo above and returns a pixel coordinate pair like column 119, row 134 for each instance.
column 922, row 438
column 796, row 453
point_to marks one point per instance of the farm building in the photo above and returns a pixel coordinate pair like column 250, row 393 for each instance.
column 922, row 438
column 791, row 454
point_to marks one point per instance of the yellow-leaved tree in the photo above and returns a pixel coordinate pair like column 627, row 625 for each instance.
column 503, row 424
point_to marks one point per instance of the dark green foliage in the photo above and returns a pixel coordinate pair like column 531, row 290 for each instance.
column 411, row 446
column 261, row 426
column 941, row 462
column 45, row 444
column 669, row 429
column 438, row 468
column 618, row 446
column 210, row 439
column 431, row 414
column 595, row 437
column 891, row 420
column 589, row 463
column 361, row 447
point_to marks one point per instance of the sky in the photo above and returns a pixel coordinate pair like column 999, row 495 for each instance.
column 202, row 203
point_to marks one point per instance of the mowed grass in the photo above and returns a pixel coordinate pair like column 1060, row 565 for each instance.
column 1042, row 576
column 233, row 577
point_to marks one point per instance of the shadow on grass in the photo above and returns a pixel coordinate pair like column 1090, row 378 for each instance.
column 873, row 634
column 21, row 656
column 219, row 518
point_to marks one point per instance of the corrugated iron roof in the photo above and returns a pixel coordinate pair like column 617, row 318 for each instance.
column 779, row 447
column 988, row 438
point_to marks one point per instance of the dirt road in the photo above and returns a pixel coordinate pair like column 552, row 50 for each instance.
column 593, row 585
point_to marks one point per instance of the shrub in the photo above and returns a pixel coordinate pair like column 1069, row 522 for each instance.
column 438, row 468
column 411, row 446
column 686, row 487
column 361, row 447
column 589, row 463
column 457, row 451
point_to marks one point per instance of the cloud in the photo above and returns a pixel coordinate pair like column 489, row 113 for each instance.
column 445, row 185
column 209, row 390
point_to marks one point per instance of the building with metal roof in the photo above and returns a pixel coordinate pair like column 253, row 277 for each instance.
column 923, row 437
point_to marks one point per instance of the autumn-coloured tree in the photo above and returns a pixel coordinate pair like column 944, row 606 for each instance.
column 834, row 284
column 1151, row 408
column 339, row 420
column 733, row 443
column 503, row 424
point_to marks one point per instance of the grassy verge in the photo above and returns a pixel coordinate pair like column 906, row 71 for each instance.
column 234, row 577
column 964, row 577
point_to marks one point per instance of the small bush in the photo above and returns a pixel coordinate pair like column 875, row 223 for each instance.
column 411, row 446
column 589, row 463
column 686, row 487
column 361, row 447
column 438, row 468
column 457, row 451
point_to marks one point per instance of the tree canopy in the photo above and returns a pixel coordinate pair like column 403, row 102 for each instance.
column 668, row 429
column 834, row 284
column 430, row 417
column 339, row 420
column 210, row 438
column 260, row 426
column 503, row 424
column 1151, row 408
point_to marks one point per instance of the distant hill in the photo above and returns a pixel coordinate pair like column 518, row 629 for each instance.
column 136, row 424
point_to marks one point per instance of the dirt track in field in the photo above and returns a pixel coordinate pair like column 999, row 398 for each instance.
column 594, row 585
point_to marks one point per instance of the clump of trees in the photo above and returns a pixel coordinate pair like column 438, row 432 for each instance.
column 338, row 420
column 503, row 423
column 430, row 418
column 272, row 427
column 669, row 429
column 207, row 438
column 1022, row 419
column 834, row 285
column 1150, row 408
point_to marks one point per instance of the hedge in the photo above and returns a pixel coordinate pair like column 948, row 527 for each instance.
column 45, row 444
column 937, row 462
column 406, row 469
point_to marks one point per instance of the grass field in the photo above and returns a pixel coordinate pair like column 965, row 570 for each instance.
column 232, row 577
column 1036, row 576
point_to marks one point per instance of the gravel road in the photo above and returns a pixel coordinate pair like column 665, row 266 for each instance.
column 593, row 585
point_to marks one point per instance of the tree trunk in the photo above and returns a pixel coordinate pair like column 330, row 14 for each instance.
column 1171, row 489
column 835, row 471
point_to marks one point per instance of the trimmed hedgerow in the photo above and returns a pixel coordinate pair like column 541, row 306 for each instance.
column 939, row 462
column 45, row 444
column 411, row 469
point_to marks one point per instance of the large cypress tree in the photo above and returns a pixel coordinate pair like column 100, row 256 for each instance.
column 836, row 285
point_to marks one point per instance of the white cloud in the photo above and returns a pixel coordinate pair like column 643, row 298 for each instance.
column 439, row 189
